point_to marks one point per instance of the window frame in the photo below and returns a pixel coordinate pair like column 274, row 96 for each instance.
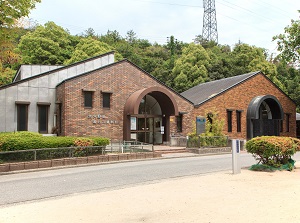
column 19, row 105
column 45, row 106
column 229, row 120
column 106, row 99
column 88, row 101
column 238, row 120
column 288, row 118
column 179, row 119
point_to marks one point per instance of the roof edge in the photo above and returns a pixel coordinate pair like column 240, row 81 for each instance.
column 227, row 89
column 52, row 71
column 128, row 61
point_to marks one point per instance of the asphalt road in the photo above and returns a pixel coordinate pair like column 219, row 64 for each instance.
column 29, row 186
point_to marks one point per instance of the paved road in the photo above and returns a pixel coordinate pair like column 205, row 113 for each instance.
column 21, row 187
column 15, row 188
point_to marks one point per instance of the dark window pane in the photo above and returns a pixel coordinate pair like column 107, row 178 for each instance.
column 287, row 122
column 43, row 119
column 179, row 123
column 106, row 100
column 238, row 121
column 88, row 99
column 22, row 124
column 229, row 120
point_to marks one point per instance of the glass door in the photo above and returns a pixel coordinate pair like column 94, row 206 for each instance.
column 145, row 130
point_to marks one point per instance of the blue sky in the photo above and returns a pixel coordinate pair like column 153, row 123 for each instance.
column 251, row 21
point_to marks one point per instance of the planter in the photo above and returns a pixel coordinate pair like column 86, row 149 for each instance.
column 103, row 158
column 81, row 160
column 93, row 159
column 16, row 166
column 70, row 161
column 131, row 156
column 44, row 163
column 4, row 167
column 123, row 156
column 113, row 157
column 140, row 156
column 149, row 155
column 57, row 162
column 156, row 155
column 31, row 165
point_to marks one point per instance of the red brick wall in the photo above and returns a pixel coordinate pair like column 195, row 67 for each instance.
column 239, row 97
column 122, row 79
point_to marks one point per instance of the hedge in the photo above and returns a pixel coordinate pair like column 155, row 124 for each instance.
column 273, row 151
column 28, row 140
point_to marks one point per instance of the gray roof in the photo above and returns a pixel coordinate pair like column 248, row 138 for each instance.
column 203, row 92
column 298, row 116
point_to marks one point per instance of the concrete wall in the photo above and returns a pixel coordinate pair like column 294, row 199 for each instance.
column 27, row 71
column 40, row 88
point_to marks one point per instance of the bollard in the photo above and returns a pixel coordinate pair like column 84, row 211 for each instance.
column 236, row 163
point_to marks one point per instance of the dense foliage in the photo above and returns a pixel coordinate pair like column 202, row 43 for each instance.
column 179, row 65
column 213, row 135
column 273, row 151
column 14, row 141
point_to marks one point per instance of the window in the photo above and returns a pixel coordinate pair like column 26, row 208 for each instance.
column 106, row 99
column 229, row 120
column 179, row 123
column 43, row 118
column 22, row 116
column 88, row 99
column 209, row 118
column 238, row 121
column 288, row 122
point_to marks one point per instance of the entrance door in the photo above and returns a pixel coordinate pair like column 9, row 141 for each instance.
column 148, row 130
column 145, row 130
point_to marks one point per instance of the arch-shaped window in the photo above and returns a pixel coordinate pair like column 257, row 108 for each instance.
column 149, row 105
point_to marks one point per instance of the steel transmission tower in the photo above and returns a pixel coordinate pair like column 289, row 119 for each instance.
column 209, row 30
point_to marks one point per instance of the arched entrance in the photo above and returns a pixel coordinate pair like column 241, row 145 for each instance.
column 264, row 115
column 147, row 115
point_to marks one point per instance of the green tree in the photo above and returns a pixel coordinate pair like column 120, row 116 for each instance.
column 191, row 66
column 48, row 44
column 89, row 47
column 289, row 42
column 11, row 10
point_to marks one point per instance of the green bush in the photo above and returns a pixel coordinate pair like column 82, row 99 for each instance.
column 27, row 140
column 273, row 151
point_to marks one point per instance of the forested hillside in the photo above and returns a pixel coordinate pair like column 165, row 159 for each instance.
column 179, row 65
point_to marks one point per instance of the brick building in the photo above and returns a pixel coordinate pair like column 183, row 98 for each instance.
column 120, row 101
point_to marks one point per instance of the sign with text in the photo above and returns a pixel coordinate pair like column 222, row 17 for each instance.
column 200, row 124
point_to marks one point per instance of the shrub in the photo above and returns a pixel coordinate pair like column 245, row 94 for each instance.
column 27, row 140
column 273, row 151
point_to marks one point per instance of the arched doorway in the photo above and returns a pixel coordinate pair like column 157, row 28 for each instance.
column 264, row 116
column 147, row 115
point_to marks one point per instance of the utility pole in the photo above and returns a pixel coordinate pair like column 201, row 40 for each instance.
column 209, row 30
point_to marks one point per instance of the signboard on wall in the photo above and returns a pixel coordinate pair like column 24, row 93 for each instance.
column 200, row 124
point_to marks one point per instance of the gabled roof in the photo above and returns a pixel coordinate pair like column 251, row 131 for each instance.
column 134, row 65
column 204, row 92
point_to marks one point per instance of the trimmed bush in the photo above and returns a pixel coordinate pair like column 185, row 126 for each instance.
column 273, row 151
column 27, row 140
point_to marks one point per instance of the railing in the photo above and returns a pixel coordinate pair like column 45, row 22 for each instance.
column 207, row 141
column 70, row 152
column 129, row 147
column 50, row 153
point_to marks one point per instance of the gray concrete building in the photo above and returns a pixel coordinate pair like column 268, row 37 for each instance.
column 29, row 102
